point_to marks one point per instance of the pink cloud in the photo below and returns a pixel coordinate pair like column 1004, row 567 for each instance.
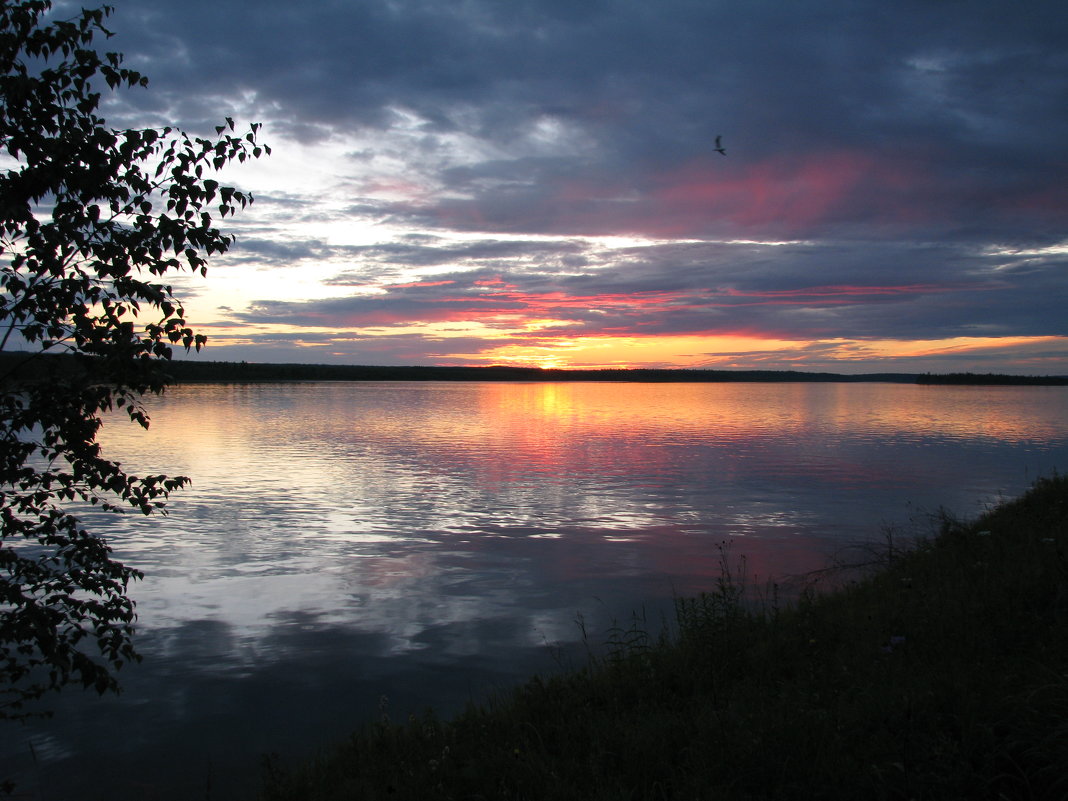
column 497, row 300
column 792, row 194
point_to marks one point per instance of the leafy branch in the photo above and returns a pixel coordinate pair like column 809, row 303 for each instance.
column 92, row 219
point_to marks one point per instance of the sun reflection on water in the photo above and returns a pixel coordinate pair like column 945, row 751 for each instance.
column 341, row 541
column 367, row 485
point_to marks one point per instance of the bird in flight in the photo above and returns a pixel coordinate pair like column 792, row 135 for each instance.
column 719, row 146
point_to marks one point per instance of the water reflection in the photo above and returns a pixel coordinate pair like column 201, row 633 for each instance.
column 342, row 542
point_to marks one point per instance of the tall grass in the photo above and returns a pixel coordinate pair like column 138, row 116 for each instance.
column 944, row 675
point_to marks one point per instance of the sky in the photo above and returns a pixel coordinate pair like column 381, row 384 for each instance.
column 537, row 182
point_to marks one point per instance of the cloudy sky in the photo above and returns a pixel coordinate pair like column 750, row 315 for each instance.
column 537, row 182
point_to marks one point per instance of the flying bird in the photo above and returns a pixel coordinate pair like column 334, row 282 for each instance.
column 719, row 146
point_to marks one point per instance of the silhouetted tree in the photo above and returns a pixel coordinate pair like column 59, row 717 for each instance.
column 92, row 220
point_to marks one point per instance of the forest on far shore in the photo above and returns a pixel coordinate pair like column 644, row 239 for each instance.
column 34, row 366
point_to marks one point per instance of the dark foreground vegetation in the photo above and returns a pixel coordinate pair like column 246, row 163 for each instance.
column 941, row 675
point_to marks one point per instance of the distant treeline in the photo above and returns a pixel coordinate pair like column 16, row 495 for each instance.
column 994, row 379
column 27, row 366
column 245, row 371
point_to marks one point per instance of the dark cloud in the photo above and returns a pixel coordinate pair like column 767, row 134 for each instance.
column 899, row 145
column 432, row 252
column 652, row 82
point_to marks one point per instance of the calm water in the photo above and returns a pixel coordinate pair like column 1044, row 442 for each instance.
column 427, row 543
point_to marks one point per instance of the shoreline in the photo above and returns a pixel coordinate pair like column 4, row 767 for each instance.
column 33, row 366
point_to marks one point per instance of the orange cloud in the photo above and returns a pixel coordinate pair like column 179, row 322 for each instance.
column 745, row 350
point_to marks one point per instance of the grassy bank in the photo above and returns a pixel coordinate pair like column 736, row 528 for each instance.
column 942, row 676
